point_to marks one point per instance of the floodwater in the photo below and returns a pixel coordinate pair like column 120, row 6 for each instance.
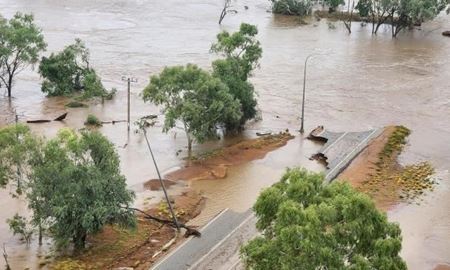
column 356, row 82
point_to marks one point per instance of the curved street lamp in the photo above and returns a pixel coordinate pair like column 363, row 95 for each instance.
column 304, row 86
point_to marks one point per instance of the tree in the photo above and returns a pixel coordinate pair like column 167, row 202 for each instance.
column 87, row 192
column 21, row 41
column 333, row 4
column 19, row 225
column 68, row 71
column 292, row 7
column 226, row 9
column 306, row 224
column 242, row 53
column 407, row 13
column 17, row 146
column 74, row 186
column 188, row 94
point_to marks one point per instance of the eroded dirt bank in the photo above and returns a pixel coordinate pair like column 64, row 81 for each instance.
column 214, row 165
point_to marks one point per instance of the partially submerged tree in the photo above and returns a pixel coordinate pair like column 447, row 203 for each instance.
column 292, row 7
column 333, row 4
column 401, row 14
column 19, row 225
column 407, row 13
column 74, row 186
column 227, row 8
column 21, row 41
column 87, row 193
column 308, row 225
column 241, row 52
column 348, row 21
column 68, row 71
column 192, row 96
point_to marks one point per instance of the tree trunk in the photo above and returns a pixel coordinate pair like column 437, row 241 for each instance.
column 373, row 24
column 188, row 136
column 79, row 240
column 40, row 233
column 9, row 86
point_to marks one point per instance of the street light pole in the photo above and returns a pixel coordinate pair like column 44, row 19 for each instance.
column 129, row 81
column 303, row 99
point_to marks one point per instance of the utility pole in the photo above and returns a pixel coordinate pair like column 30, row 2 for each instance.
column 174, row 217
column 129, row 80
column 303, row 99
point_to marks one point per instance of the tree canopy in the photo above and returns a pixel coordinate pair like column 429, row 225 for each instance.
column 292, row 7
column 192, row 96
column 306, row 224
column 400, row 14
column 21, row 42
column 241, row 52
column 69, row 71
column 74, row 186
column 17, row 146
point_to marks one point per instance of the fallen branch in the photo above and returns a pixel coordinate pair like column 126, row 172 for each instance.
column 38, row 121
column 189, row 231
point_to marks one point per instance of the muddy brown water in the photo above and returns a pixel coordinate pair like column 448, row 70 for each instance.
column 357, row 82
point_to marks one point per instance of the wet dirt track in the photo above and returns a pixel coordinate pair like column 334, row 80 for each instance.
column 360, row 83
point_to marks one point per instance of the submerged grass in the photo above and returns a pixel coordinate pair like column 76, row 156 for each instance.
column 391, row 179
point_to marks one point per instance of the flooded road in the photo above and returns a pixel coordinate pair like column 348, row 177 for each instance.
column 357, row 82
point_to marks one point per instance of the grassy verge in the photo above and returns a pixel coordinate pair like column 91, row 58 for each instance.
column 391, row 179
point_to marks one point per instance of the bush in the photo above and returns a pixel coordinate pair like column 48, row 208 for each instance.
column 92, row 120
column 292, row 7
column 68, row 72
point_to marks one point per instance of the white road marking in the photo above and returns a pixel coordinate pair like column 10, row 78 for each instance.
column 344, row 159
column 221, row 242
column 336, row 141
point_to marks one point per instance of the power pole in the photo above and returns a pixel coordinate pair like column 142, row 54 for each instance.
column 174, row 217
column 129, row 80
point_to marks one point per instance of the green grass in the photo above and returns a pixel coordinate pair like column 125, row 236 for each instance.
column 395, row 143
